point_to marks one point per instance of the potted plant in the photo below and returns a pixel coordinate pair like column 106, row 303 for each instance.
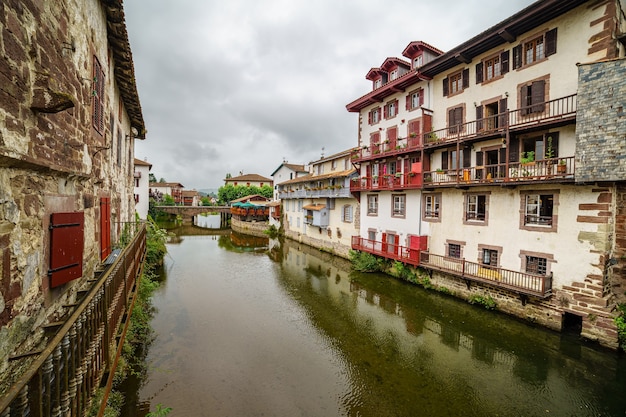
column 528, row 158
column 561, row 168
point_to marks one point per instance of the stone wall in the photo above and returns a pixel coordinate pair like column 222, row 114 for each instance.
column 249, row 228
column 601, row 122
column 52, row 159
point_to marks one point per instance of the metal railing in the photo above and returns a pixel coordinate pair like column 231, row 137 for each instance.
column 386, row 250
column 64, row 375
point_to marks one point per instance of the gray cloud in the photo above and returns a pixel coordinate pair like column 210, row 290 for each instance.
column 239, row 85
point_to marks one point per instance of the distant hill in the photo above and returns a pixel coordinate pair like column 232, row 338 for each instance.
column 207, row 191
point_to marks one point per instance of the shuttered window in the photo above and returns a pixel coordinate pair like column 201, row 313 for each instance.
column 66, row 247
column 98, row 96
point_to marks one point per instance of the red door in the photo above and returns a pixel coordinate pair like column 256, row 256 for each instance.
column 105, row 227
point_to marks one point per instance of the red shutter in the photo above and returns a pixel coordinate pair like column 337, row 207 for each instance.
column 369, row 117
column 421, row 93
column 105, row 227
column 407, row 105
column 66, row 247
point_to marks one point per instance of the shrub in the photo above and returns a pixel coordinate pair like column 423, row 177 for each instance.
column 487, row 302
column 365, row 262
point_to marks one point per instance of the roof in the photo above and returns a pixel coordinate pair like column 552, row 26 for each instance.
column 293, row 167
column 139, row 162
column 314, row 207
column 190, row 193
column 167, row 184
column 311, row 177
column 254, row 197
column 504, row 32
column 275, row 203
column 124, row 71
column 347, row 152
column 248, row 177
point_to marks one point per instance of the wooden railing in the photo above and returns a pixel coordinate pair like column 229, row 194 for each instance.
column 520, row 282
column 386, row 250
column 563, row 108
column 555, row 169
column 62, row 378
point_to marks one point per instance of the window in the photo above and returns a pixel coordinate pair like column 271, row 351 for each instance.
column 455, row 119
column 454, row 250
column 492, row 67
column 372, row 204
column 533, row 97
column 535, row 49
column 475, row 208
column 394, row 74
column 378, row 83
column 456, row 82
column 371, row 235
column 490, row 257
column 418, row 61
column 333, row 164
column 536, row 265
column 98, row 96
column 374, row 116
column 399, row 205
column 539, row 209
column 391, row 109
column 432, row 204
column 346, row 213
column 415, row 99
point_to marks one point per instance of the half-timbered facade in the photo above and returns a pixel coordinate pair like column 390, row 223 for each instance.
column 471, row 166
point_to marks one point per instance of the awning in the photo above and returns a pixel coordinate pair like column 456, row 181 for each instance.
column 315, row 207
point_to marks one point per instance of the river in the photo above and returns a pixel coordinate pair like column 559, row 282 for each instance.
column 250, row 327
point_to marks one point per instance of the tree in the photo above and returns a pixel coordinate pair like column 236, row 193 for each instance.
column 151, row 177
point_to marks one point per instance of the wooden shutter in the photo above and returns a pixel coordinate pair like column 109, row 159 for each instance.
column 479, row 73
column 504, row 62
column 537, row 93
column 385, row 112
column 479, row 159
column 479, row 116
column 444, row 160
column 421, row 94
column 502, row 106
column 551, row 42
column 105, row 227
column 369, row 117
column 445, row 86
column 502, row 156
column 466, row 78
column 407, row 104
column 467, row 157
column 66, row 247
column 517, row 57
column 513, row 149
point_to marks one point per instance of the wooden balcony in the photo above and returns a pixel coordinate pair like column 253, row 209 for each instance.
column 387, row 250
column 519, row 282
column 548, row 170
column 549, row 113
column 558, row 111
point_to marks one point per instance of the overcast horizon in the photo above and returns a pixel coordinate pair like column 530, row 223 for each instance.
column 240, row 86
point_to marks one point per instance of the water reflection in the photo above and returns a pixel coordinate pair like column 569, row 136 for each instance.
column 250, row 327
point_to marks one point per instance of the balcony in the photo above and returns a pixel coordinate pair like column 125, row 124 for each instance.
column 518, row 282
column 337, row 191
column 387, row 250
column 513, row 173
column 558, row 111
column 549, row 113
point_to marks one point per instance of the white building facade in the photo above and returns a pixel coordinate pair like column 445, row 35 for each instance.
column 469, row 167
column 142, row 184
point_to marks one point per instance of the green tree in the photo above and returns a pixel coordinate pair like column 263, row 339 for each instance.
column 168, row 200
column 151, row 177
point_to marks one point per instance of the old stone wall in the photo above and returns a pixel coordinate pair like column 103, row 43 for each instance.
column 249, row 228
column 601, row 122
column 51, row 157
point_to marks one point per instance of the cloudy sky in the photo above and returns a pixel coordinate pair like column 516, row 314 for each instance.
column 240, row 85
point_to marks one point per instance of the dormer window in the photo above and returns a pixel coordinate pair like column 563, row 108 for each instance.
column 393, row 75
column 418, row 61
column 378, row 83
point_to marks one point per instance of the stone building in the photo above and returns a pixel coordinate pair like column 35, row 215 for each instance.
column 498, row 167
column 69, row 115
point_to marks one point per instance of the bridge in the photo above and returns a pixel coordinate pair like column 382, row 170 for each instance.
column 188, row 213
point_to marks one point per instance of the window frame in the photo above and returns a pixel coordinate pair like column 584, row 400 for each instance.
column 426, row 215
column 467, row 201
column 415, row 99
column 547, row 257
column 347, row 213
column 393, row 104
column 491, row 249
column 374, row 116
column 372, row 209
column 538, row 227
column 400, row 212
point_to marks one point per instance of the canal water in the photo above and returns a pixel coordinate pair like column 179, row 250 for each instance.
column 251, row 327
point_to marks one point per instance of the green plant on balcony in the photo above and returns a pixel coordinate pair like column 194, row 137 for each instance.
column 398, row 174
column 413, row 135
column 439, row 171
column 428, row 178
column 528, row 157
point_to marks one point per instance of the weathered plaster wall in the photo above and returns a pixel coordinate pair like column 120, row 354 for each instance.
column 51, row 158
